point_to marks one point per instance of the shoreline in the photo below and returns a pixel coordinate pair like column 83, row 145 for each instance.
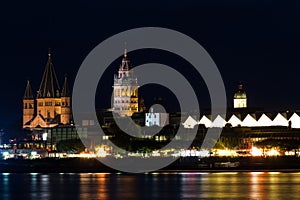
column 194, row 164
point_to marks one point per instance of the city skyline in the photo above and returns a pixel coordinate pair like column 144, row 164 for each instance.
column 261, row 52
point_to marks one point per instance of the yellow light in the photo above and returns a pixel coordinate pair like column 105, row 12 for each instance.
column 256, row 152
column 273, row 152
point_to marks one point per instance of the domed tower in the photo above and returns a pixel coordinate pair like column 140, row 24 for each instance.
column 28, row 104
column 66, row 115
column 240, row 98
column 125, row 101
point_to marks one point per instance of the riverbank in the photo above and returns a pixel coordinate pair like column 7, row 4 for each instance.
column 191, row 164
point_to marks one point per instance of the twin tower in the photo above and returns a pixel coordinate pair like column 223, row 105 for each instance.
column 52, row 106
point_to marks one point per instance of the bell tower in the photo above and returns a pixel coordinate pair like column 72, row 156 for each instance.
column 65, row 116
column 28, row 104
column 125, row 101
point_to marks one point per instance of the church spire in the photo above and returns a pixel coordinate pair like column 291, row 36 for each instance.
column 125, row 50
column 28, row 92
column 49, row 87
column 125, row 65
column 49, row 53
column 65, row 91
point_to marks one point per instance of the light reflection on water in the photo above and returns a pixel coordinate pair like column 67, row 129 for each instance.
column 103, row 186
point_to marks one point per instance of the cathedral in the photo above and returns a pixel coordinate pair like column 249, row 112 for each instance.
column 51, row 106
column 125, row 101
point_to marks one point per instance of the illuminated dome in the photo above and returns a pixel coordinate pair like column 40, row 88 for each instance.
column 240, row 93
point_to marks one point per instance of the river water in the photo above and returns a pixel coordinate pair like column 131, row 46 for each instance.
column 245, row 185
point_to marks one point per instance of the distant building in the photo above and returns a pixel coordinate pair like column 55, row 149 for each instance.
column 240, row 98
column 52, row 106
column 125, row 101
column 156, row 118
column 190, row 123
column 47, row 118
column 289, row 119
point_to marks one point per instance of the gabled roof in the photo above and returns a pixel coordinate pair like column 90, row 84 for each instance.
column 190, row 122
column 49, row 87
column 65, row 91
column 28, row 92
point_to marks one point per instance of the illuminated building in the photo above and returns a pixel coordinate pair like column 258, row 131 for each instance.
column 156, row 118
column 125, row 101
column 52, row 107
column 255, row 119
column 47, row 117
column 240, row 98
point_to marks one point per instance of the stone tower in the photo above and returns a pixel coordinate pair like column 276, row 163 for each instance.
column 65, row 117
column 125, row 101
column 28, row 104
column 48, row 98
column 52, row 106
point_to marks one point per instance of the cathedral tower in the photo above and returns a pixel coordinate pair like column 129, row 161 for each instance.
column 48, row 98
column 65, row 116
column 28, row 104
column 125, row 101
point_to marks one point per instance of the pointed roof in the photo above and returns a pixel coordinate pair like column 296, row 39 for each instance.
column 65, row 91
column 49, row 87
column 125, row 65
column 28, row 92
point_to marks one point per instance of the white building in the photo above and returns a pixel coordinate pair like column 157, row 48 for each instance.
column 125, row 101
column 190, row 122
column 156, row 118
column 251, row 120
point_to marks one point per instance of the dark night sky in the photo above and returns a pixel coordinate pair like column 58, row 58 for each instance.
column 256, row 42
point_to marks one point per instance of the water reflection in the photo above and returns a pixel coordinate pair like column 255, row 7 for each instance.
column 151, row 186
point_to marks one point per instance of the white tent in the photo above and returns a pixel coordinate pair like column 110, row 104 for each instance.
column 249, row 121
column 295, row 119
column 264, row 120
column 234, row 121
column 204, row 120
column 190, row 122
column 218, row 122
column 280, row 120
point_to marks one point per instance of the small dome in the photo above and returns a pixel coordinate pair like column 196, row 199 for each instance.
column 240, row 93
